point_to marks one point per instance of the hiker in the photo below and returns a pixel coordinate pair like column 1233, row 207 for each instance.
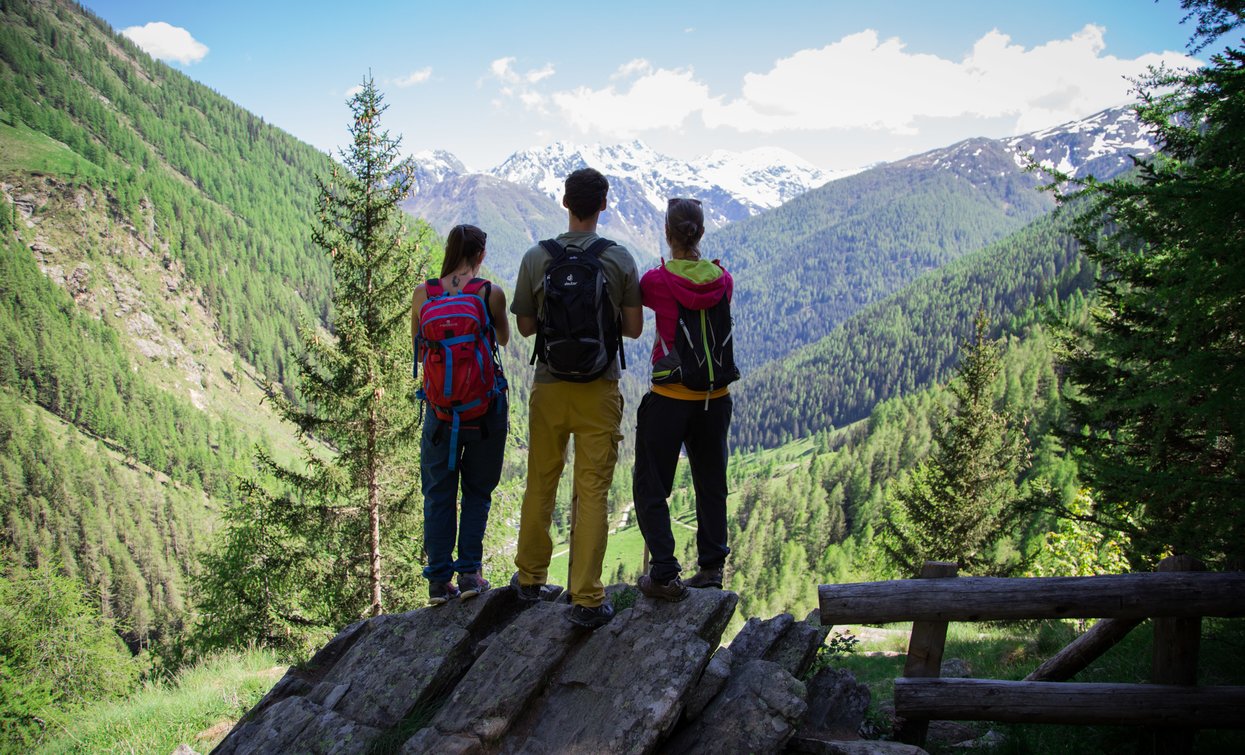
column 688, row 405
column 457, row 324
column 579, row 295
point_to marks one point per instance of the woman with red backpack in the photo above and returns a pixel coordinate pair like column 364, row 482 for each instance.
column 458, row 322
column 688, row 405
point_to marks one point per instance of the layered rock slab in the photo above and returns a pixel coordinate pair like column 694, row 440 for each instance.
column 757, row 712
column 621, row 689
column 501, row 683
column 370, row 678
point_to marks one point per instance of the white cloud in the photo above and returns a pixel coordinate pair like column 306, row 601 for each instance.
column 413, row 78
column 629, row 69
column 539, row 74
column 503, row 70
column 863, row 82
column 352, row 91
column 660, row 98
column 167, row 42
column 859, row 82
column 520, row 85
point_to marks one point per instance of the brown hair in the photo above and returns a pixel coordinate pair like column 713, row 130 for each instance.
column 585, row 191
column 685, row 225
column 464, row 244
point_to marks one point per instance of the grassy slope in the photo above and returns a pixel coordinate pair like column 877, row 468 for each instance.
column 197, row 708
column 1011, row 650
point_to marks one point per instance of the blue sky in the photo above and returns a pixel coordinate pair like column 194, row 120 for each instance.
column 841, row 84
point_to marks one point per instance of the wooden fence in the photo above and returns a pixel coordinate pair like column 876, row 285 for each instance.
column 1176, row 597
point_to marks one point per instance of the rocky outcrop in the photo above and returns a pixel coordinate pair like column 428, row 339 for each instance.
column 371, row 678
column 494, row 675
column 757, row 712
column 836, row 710
column 789, row 643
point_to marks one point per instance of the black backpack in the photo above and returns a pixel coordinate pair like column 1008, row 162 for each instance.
column 577, row 330
column 703, row 356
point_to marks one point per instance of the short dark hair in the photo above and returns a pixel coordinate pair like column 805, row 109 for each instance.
column 585, row 190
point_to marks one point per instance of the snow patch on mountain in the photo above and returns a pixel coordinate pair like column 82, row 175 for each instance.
column 1102, row 144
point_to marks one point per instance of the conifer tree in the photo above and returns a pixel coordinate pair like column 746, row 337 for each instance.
column 958, row 502
column 1159, row 424
column 340, row 529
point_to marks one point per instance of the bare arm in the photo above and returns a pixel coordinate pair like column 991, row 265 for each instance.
column 526, row 325
column 632, row 321
column 417, row 300
column 497, row 310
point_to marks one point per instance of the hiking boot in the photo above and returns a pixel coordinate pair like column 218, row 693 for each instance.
column 471, row 585
column 440, row 593
column 705, row 578
column 674, row 591
column 526, row 593
column 591, row 618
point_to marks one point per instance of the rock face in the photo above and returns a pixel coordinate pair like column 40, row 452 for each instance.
column 836, row 707
column 757, row 712
column 494, row 675
column 789, row 643
column 371, row 678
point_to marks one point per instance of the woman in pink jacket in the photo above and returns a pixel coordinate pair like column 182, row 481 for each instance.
column 686, row 293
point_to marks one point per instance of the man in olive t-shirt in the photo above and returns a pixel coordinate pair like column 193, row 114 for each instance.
column 558, row 409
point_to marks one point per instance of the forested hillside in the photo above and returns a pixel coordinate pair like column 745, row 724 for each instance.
column 910, row 339
column 230, row 195
column 807, row 266
column 807, row 513
column 156, row 265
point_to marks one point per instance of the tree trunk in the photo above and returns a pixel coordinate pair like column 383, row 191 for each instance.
column 373, row 511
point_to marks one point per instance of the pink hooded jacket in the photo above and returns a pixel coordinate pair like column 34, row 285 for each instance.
column 696, row 284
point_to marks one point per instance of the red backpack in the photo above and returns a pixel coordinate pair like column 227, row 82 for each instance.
column 458, row 349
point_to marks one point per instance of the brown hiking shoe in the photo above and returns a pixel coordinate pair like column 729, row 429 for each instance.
column 705, row 578
column 673, row 592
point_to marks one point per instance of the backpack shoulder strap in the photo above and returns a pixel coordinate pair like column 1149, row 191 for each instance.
column 433, row 287
column 475, row 285
column 598, row 246
column 553, row 247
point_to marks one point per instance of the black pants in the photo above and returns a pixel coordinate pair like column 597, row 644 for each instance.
column 663, row 425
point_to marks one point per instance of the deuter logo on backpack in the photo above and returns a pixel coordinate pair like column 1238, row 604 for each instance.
column 577, row 332
column 457, row 349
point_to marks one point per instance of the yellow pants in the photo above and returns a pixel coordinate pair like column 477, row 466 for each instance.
column 591, row 412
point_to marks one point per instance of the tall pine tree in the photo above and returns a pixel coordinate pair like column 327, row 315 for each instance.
column 958, row 503
column 334, row 538
column 1159, row 422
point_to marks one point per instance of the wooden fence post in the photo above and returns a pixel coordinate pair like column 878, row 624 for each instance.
column 1176, row 645
column 924, row 660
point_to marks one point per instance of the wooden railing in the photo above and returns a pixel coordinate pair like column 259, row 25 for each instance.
column 1176, row 597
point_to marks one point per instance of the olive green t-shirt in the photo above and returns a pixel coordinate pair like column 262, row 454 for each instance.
column 621, row 278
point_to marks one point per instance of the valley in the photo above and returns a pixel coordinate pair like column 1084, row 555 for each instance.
column 161, row 277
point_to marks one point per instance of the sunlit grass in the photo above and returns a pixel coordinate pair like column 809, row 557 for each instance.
column 26, row 151
column 198, row 708
column 1012, row 650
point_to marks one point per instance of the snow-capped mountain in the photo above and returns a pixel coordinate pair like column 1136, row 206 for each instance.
column 1099, row 145
column 764, row 177
column 734, row 185
column 432, row 167
column 755, row 180
column 731, row 185
column 1102, row 145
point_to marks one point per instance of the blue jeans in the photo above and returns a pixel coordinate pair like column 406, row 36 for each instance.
column 481, row 446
